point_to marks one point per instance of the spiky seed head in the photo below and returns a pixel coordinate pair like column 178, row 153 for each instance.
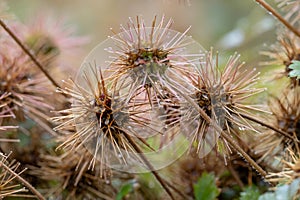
column 141, row 56
column 72, row 176
column 22, row 89
column 290, row 172
column 283, row 53
column 9, row 186
column 99, row 120
column 222, row 94
column 286, row 117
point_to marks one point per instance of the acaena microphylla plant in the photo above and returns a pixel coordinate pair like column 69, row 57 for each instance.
column 11, row 180
column 73, row 177
column 290, row 172
column 283, row 53
column 141, row 56
column 134, row 63
column 22, row 90
column 216, row 108
column 53, row 43
column 9, row 186
column 97, row 117
column 92, row 115
column 222, row 94
column 286, row 117
column 142, row 59
column 126, row 99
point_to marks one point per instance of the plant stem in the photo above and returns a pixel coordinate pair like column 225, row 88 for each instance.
column 278, row 16
column 23, row 181
column 268, row 126
column 149, row 165
column 27, row 51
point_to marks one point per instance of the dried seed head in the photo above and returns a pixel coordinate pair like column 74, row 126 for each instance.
column 286, row 117
column 286, row 114
column 222, row 94
column 72, row 175
column 54, row 42
column 22, row 89
column 103, row 122
column 283, row 52
column 9, row 186
column 290, row 172
column 141, row 57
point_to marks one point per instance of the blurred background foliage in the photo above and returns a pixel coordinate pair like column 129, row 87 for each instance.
column 228, row 26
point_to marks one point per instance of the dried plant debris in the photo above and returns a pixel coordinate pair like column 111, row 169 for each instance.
column 11, row 183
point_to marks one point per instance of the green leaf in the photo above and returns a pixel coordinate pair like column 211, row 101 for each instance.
column 205, row 188
column 125, row 189
column 295, row 67
column 250, row 193
column 284, row 192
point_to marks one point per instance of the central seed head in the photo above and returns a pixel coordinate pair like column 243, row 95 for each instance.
column 204, row 101
column 146, row 64
column 104, row 111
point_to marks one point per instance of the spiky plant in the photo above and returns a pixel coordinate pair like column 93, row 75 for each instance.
column 54, row 43
column 22, row 90
column 8, row 185
column 286, row 116
column 102, row 125
column 283, row 53
column 142, row 56
column 69, row 176
column 11, row 180
column 93, row 116
column 222, row 94
column 290, row 171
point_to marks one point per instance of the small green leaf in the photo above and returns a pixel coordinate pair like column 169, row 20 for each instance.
column 250, row 193
column 205, row 188
column 267, row 196
column 295, row 67
column 125, row 189
column 284, row 192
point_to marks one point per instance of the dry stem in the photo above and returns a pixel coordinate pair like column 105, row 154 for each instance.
column 23, row 181
column 149, row 165
column 278, row 16
column 268, row 126
column 27, row 51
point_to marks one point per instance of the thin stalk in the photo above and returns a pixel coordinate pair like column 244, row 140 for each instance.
column 23, row 181
column 222, row 133
column 27, row 51
column 268, row 126
column 149, row 165
column 235, row 175
column 278, row 16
